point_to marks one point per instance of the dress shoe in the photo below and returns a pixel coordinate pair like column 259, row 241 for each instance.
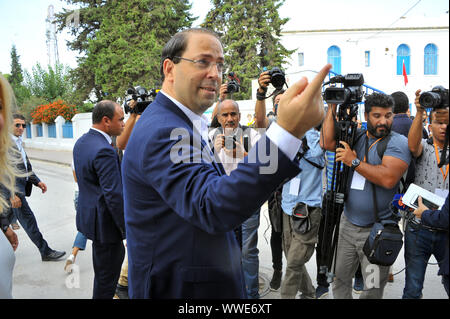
column 54, row 255
column 275, row 283
column 121, row 292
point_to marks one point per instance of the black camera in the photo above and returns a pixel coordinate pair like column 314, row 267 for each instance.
column 233, row 83
column 277, row 78
column 351, row 93
column 437, row 98
column 142, row 97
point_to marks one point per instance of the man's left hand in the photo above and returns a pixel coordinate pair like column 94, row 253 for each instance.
column 42, row 186
column 345, row 155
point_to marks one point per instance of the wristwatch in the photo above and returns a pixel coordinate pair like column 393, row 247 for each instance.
column 355, row 163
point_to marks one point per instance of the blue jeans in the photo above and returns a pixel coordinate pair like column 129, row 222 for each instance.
column 250, row 260
column 80, row 241
column 420, row 244
column 26, row 218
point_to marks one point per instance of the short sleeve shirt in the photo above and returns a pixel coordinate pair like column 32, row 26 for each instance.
column 359, row 208
column 428, row 174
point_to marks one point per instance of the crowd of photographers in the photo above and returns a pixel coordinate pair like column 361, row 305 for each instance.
column 369, row 166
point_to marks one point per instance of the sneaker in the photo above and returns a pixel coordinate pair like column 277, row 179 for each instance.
column 69, row 262
column 358, row 285
column 121, row 292
column 275, row 283
column 321, row 292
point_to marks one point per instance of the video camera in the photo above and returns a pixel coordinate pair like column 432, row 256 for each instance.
column 351, row 93
column 234, row 83
column 437, row 98
column 141, row 96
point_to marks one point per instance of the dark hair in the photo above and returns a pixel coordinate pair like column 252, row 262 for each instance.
column 378, row 100
column 401, row 102
column 276, row 94
column 101, row 109
column 18, row 116
column 178, row 44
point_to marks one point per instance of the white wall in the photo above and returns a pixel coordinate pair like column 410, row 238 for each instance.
column 382, row 72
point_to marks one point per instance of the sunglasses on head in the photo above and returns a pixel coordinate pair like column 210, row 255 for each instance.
column 20, row 124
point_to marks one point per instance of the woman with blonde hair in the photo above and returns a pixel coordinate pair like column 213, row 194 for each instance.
column 8, row 239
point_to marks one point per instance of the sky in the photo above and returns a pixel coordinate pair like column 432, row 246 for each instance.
column 22, row 22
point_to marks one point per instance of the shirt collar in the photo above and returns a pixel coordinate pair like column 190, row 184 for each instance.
column 108, row 138
column 200, row 122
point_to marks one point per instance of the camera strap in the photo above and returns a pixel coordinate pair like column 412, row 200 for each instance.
column 438, row 161
column 374, row 194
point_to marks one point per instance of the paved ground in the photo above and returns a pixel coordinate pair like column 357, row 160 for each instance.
column 56, row 219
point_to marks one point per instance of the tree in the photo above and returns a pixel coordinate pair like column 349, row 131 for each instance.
column 250, row 31
column 49, row 84
column 16, row 78
column 124, row 49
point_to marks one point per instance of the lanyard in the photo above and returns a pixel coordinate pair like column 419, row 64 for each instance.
column 373, row 144
column 438, row 160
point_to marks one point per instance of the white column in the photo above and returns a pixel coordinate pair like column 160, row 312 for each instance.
column 59, row 121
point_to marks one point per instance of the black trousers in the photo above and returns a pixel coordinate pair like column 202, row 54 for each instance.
column 107, row 261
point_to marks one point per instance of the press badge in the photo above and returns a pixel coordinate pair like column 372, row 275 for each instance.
column 358, row 181
column 294, row 186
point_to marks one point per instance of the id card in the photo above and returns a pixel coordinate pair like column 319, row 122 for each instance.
column 294, row 186
column 358, row 181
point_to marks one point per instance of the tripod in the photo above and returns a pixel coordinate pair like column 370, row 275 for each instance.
column 345, row 130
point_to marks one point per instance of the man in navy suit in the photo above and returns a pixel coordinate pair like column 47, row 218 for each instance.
column 180, row 206
column 24, row 186
column 100, row 202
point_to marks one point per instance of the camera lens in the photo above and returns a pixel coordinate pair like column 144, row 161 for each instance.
column 430, row 99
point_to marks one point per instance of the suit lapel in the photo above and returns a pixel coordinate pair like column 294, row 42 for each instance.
column 210, row 157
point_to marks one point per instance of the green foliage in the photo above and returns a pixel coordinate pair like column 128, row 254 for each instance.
column 250, row 31
column 21, row 93
column 85, row 107
column 49, row 84
column 122, row 42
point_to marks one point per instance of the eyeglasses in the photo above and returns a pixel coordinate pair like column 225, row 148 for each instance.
column 20, row 124
column 204, row 64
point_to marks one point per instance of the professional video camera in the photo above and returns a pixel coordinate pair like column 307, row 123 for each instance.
column 437, row 98
column 141, row 96
column 277, row 78
column 233, row 84
column 347, row 98
column 351, row 93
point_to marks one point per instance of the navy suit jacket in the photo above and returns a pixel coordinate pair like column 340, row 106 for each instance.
column 439, row 219
column 180, row 209
column 100, row 200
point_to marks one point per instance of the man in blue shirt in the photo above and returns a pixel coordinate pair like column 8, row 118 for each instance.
column 302, row 196
column 384, row 173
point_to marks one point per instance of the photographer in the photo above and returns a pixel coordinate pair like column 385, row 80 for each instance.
column 122, row 139
column 231, row 144
column 274, row 201
column 384, row 172
column 420, row 242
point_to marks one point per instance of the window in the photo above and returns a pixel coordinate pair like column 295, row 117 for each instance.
column 367, row 58
column 301, row 59
column 334, row 57
column 430, row 59
column 403, row 55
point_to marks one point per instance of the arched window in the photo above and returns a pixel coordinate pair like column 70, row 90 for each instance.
column 430, row 58
column 334, row 57
column 403, row 54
